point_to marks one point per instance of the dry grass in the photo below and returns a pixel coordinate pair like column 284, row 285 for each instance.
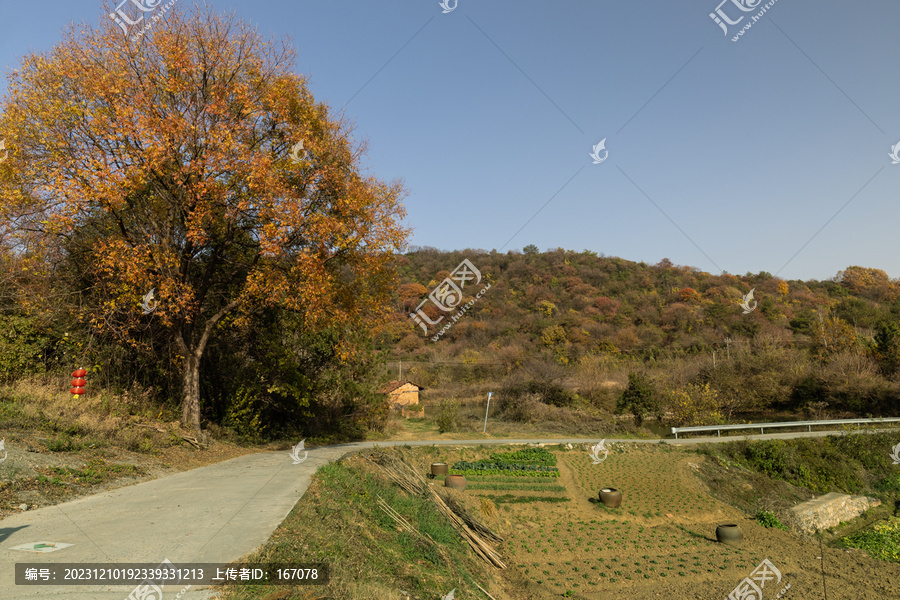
column 488, row 508
column 62, row 448
column 98, row 418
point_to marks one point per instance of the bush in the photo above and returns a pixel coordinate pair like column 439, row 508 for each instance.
column 695, row 405
column 882, row 542
column 754, row 378
column 244, row 415
column 448, row 415
column 768, row 456
column 889, row 484
column 517, row 408
column 547, row 392
column 835, row 463
column 22, row 346
column 640, row 398
column 767, row 518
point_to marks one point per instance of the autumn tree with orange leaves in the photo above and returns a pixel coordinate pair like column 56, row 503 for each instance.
column 194, row 162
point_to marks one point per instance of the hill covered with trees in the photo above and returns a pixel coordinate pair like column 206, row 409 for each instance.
column 571, row 323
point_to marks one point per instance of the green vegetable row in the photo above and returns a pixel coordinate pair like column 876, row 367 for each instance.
column 502, row 466
column 483, row 472
column 527, row 455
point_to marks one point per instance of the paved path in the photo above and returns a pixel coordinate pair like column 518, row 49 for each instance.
column 213, row 514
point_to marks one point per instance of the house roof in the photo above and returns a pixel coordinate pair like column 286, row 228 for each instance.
column 393, row 385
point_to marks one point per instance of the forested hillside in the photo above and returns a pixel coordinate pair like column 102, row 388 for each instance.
column 577, row 321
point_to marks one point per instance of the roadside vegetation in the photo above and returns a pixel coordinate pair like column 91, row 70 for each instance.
column 858, row 463
column 59, row 448
column 339, row 523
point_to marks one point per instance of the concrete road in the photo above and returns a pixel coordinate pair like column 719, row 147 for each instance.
column 213, row 514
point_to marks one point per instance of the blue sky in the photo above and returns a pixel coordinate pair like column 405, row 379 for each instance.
column 722, row 155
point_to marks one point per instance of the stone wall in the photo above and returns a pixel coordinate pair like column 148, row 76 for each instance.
column 830, row 510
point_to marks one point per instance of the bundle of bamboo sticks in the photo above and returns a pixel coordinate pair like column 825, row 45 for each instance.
column 473, row 523
column 481, row 548
column 469, row 528
column 400, row 473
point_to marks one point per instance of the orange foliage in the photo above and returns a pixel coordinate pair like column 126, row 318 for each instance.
column 166, row 163
column 689, row 294
column 869, row 283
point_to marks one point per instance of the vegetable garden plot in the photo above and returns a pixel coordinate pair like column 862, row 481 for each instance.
column 561, row 538
column 528, row 470
column 650, row 483
column 587, row 555
column 572, row 551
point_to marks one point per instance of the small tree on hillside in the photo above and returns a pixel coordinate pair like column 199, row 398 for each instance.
column 639, row 398
column 695, row 405
column 886, row 349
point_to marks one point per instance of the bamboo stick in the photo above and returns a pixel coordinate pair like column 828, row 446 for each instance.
column 407, row 478
column 484, row 590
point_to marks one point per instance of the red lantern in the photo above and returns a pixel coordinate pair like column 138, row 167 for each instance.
column 78, row 383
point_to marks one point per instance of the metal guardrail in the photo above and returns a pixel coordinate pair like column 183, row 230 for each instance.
column 762, row 426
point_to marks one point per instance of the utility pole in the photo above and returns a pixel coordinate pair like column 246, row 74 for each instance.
column 486, row 411
column 728, row 347
column 714, row 359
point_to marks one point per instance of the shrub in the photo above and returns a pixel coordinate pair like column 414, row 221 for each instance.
column 768, row 456
column 552, row 393
column 518, row 408
column 640, row 398
column 882, row 542
column 243, row 415
column 695, row 405
column 448, row 415
column 767, row 518
column 889, row 484
column 22, row 346
column 545, row 391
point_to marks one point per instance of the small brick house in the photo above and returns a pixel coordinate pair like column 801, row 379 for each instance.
column 404, row 393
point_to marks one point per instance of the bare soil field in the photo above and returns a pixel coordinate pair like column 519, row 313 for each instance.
column 562, row 542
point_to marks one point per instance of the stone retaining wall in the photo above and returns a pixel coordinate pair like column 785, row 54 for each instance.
column 830, row 510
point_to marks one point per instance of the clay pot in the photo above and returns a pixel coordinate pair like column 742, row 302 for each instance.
column 456, row 482
column 611, row 497
column 729, row 534
column 439, row 469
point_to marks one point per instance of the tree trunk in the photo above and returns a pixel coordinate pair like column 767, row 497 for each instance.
column 193, row 352
column 190, row 408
